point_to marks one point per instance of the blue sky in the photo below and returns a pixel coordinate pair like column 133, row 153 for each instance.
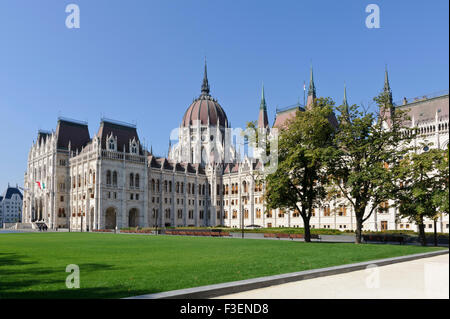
column 141, row 61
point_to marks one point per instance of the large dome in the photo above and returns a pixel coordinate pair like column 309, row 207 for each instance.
column 205, row 110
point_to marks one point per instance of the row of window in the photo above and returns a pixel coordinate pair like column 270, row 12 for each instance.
column 78, row 180
column 179, row 188
column 111, row 179
column 432, row 128
column 167, row 214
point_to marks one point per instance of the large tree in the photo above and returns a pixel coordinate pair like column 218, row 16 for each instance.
column 304, row 146
column 441, row 195
column 421, row 186
column 365, row 149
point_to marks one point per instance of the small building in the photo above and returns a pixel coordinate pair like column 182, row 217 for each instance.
column 11, row 206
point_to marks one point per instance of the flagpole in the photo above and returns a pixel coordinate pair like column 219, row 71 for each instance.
column 304, row 88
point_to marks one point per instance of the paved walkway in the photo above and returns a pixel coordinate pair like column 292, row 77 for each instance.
column 422, row 278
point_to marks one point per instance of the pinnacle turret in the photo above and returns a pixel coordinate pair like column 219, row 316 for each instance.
column 263, row 120
column 205, row 84
column 311, row 91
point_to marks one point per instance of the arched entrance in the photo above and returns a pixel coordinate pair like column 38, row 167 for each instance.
column 110, row 218
column 133, row 217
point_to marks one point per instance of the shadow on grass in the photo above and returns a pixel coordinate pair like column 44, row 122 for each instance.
column 26, row 281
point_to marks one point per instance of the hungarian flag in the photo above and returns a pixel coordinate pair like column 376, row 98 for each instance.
column 41, row 185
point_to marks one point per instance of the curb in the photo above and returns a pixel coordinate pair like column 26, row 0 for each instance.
column 216, row 290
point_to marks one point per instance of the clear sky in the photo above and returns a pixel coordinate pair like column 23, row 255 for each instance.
column 141, row 61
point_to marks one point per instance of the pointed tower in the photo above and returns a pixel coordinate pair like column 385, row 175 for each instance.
column 387, row 112
column 387, row 87
column 263, row 121
column 345, row 111
column 205, row 84
column 311, row 91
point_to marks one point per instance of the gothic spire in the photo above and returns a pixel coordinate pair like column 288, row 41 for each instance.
column 263, row 105
column 345, row 112
column 205, row 84
column 311, row 90
column 345, row 96
column 387, row 111
column 387, row 87
column 263, row 120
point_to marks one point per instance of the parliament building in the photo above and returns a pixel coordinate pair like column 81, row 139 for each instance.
column 110, row 180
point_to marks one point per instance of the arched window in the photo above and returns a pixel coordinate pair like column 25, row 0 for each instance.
column 108, row 177
column 170, row 186
column 157, row 185
column 131, row 179
column 165, row 186
column 93, row 177
column 114, row 178
column 136, row 181
column 153, row 185
column 134, row 148
column 111, row 144
column 182, row 187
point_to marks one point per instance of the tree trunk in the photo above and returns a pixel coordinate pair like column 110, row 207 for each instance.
column 435, row 233
column 422, row 237
column 307, row 231
column 358, row 231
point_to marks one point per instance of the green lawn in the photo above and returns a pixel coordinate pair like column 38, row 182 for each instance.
column 32, row 265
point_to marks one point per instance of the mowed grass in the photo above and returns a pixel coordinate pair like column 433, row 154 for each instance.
column 32, row 265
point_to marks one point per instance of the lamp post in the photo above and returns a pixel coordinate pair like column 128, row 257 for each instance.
column 156, row 222
column 242, row 215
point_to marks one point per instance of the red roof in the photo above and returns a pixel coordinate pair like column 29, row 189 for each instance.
column 206, row 110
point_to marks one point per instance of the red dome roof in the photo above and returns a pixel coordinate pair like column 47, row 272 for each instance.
column 206, row 110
